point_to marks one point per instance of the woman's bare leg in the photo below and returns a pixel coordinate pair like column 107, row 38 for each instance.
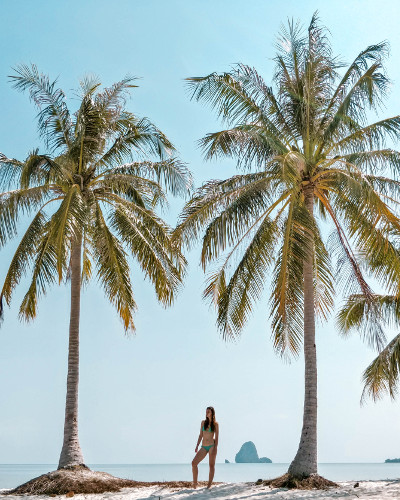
column 212, row 458
column 195, row 462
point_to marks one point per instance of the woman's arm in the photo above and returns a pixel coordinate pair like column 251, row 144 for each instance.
column 200, row 436
column 216, row 434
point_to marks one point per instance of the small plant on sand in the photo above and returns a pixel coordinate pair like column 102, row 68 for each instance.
column 92, row 198
column 310, row 159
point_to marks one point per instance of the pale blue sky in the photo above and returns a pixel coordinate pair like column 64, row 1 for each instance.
column 142, row 399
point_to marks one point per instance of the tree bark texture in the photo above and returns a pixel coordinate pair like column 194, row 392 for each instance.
column 71, row 453
column 305, row 461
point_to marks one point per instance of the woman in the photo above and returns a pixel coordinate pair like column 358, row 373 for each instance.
column 209, row 430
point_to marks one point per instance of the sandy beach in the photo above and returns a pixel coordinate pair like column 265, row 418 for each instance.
column 238, row 491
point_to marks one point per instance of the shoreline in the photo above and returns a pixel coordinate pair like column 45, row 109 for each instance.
column 382, row 490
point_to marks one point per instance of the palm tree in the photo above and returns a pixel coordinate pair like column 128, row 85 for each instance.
column 92, row 199
column 382, row 375
column 309, row 158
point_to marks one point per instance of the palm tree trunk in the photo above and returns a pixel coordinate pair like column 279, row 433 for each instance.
column 71, row 453
column 305, row 461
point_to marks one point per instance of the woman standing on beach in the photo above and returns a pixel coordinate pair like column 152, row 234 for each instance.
column 209, row 430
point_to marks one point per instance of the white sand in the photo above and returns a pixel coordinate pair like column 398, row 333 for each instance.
column 239, row 491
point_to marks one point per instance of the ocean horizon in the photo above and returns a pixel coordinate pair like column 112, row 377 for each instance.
column 11, row 475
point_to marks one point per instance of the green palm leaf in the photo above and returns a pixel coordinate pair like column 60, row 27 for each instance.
column 235, row 300
column 287, row 281
column 24, row 254
column 44, row 272
column 113, row 270
column 15, row 203
column 54, row 121
column 382, row 375
column 149, row 241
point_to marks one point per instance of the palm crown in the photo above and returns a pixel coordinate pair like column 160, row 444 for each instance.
column 308, row 138
column 97, row 187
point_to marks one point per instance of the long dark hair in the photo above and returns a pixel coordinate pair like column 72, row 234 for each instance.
column 207, row 422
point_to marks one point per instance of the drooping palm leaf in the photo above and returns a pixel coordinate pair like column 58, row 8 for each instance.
column 382, row 375
column 113, row 270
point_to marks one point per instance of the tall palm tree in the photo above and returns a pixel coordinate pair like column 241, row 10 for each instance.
column 92, row 199
column 309, row 158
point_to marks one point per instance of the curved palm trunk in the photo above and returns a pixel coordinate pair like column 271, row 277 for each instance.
column 71, row 453
column 305, row 461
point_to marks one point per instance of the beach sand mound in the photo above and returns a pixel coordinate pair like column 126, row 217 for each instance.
column 81, row 479
column 313, row 482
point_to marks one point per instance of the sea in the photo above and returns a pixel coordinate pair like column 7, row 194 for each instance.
column 12, row 475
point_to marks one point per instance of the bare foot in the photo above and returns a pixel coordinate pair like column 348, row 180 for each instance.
column 209, row 485
column 195, row 486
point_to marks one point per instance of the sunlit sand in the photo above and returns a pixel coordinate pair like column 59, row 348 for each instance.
column 366, row 489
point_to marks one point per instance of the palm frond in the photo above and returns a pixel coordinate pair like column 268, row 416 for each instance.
column 44, row 272
column 374, row 161
column 23, row 256
column 287, row 281
column 68, row 222
column 148, row 238
column 114, row 98
column 349, row 269
column 366, row 315
column 373, row 136
column 234, row 301
column 15, row 203
column 371, row 225
column 90, row 126
column 382, row 375
column 305, row 72
column 367, row 89
column 211, row 199
column 371, row 55
column 141, row 138
column 235, row 220
column 10, row 172
column 40, row 169
column 144, row 192
column 251, row 144
column 112, row 269
column 147, row 139
column 54, row 121
column 226, row 95
column 172, row 174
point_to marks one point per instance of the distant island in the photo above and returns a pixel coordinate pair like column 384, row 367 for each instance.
column 248, row 455
column 392, row 461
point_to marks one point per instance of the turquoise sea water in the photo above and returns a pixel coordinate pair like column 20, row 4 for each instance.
column 13, row 474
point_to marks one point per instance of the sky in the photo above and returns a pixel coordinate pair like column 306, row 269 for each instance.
column 142, row 398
